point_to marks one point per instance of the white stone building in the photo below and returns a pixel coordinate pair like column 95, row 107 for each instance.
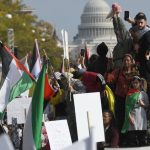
column 93, row 29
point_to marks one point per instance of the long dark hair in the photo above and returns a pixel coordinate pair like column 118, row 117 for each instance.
column 113, row 120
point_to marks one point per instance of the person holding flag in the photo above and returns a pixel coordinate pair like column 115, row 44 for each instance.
column 135, row 124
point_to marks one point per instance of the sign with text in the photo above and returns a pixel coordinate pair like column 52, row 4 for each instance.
column 18, row 108
column 89, row 114
column 58, row 134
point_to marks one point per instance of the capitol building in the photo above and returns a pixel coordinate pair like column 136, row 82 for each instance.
column 93, row 29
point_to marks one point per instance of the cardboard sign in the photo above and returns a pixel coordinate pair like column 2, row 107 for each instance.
column 18, row 108
column 58, row 134
column 89, row 114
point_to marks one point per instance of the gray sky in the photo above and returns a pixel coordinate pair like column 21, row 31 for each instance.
column 65, row 14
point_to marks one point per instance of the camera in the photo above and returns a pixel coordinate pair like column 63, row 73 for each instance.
column 82, row 53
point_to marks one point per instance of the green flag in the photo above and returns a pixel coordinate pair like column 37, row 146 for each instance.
column 33, row 126
column 130, row 102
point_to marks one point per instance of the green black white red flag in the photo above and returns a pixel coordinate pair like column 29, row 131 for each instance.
column 15, row 77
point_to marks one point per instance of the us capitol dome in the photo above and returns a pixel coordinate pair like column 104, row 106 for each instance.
column 93, row 29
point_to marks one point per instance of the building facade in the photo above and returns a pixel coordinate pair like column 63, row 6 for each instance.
column 93, row 29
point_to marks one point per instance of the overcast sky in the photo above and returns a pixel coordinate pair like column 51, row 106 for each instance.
column 65, row 14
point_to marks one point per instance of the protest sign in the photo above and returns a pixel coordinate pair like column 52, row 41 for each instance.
column 89, row 114
column 135, row 148
column 86, row 144
column 18, row 108
column 58, row 134
column 5, row 142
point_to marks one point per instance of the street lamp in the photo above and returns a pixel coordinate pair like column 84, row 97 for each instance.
column 43, row 39
column 9, row 16
column 10, row 34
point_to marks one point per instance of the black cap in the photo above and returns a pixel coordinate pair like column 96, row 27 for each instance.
column 140, row 16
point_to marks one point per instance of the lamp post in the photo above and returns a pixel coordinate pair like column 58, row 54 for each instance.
column 10, row 38
column 10, row 34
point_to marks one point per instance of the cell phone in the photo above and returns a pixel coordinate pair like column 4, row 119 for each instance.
column 82, row 53
column 126, row 15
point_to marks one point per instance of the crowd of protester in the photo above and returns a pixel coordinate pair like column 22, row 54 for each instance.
column 123, row 83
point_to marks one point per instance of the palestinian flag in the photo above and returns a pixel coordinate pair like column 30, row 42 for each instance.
column 33, row 125
column 35, row 64
column 15, row 77
column 24, row 61
column 48, row 90
column 87, row 54
column 131, row 100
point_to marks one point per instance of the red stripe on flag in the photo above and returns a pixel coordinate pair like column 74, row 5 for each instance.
column 48, row 91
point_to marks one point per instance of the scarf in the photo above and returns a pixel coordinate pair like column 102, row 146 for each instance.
column 140, row 33
column 111, row 99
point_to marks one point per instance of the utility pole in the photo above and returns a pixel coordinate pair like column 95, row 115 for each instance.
column 10, row 38
column 14, row 1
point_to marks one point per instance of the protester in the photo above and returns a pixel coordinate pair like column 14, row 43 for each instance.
column 124, row 40
column 58, row 100
column 100, row 64
column 91, row 61
column 122, row 78
column 144, row 44
column 95, row 82
column 111, row 132
column 81, row 62
column 135, row 114
column 70, row 86
column 75, row 87
column 107, row 96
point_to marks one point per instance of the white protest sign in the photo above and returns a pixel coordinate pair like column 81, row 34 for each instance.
column 81, row 145
column 89, row 114
column 25, row 94
column 65, row 43
column 18, row 108
column 58, row 134
column 135, row 148
column 86, row 144
column 5, row 142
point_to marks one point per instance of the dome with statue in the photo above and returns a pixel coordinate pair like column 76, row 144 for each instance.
column 94, row 27
column 96, row 6
column 93, row 21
